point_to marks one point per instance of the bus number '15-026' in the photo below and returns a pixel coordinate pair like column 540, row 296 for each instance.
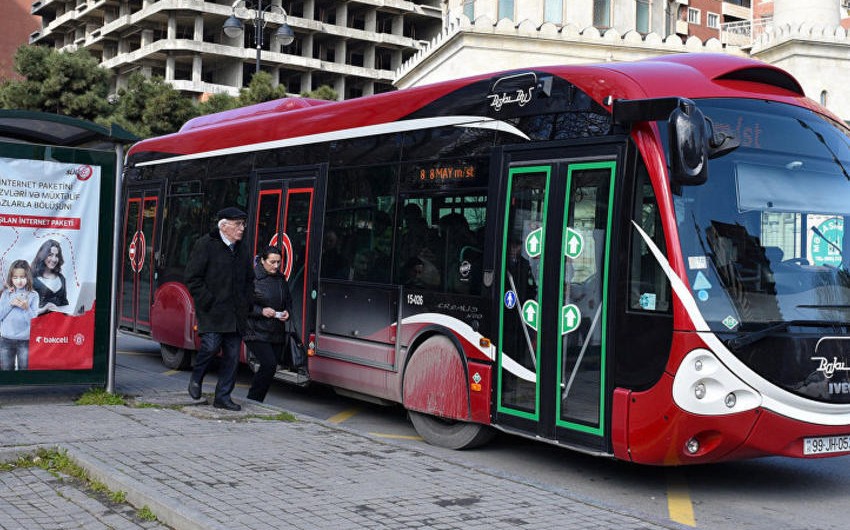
column 826, row 444
column 415, row 299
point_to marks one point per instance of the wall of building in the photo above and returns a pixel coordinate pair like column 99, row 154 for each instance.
column 354, row 46
column 816, row 56
column 706, row 8
column 16, row 25
column 462, row 47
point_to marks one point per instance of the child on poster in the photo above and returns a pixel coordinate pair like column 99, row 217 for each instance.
column 18, row 306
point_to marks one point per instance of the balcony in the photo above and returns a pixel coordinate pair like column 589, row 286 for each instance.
column 744, row 33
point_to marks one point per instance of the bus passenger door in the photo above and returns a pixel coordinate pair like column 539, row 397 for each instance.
column 552, row 352
column 283, row 219
column 141, row 206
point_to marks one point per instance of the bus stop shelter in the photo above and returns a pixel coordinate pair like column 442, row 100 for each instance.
column 60, row 184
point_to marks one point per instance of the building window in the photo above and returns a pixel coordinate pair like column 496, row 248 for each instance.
column 642, row 16
column 506, row 9
column 824, row 98
column 602, row 13
column 553, row 11
column 713, row 20
column 469, row 9
column 694, row 16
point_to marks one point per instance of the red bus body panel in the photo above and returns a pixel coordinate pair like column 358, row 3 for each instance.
column 694, row 75
column 646, row 426
column 173, row 316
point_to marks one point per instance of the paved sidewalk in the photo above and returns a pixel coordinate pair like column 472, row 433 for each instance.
column 197, row 467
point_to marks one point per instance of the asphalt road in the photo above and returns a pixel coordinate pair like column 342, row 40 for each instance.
column 769, row 494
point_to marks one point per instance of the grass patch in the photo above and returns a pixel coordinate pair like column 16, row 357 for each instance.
column 99, row 396
column 59, row 464
column 280, row 416
column 117, row 497
column 145, row 514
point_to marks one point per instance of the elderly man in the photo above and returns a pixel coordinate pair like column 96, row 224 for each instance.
column 219, row 278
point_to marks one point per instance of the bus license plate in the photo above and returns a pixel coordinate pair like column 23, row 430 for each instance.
column 826, row 444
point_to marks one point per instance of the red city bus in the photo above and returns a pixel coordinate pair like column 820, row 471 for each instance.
column 640, row 260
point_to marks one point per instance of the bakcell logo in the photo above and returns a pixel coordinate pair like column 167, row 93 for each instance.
column 84, row 172
column 51, row 340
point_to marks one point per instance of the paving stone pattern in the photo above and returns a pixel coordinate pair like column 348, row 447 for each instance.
column 233, row 471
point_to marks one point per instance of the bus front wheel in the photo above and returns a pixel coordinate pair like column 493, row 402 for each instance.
column 450, row 434
column 175, row 358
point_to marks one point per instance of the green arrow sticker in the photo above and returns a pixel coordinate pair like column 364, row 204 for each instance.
column 570, row 318
column 573, row 243
column 531, row 313
column 534, row 243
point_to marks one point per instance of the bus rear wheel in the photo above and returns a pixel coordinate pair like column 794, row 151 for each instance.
column 175, row 358
column 450, row 434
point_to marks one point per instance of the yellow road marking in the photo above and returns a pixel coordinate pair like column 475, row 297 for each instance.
column 397, row 436
column 172, row 372
column 679, row 504
column 344, row 415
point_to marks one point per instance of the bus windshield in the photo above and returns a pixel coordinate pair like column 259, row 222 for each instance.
column 763, row 239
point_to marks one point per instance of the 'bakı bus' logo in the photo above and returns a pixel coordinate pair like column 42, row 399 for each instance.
column 79, row 339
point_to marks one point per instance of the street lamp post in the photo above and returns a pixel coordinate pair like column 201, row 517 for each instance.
column 233, row 26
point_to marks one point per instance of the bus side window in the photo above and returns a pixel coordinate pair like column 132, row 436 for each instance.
column 184, row 212
column 437, row 246
column 359, row 224
column 416, row 252
column 649, row 286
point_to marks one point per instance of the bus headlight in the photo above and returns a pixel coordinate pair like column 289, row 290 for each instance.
column 704, row 385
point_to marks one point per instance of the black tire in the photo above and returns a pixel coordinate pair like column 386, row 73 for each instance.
column 175, row 358
column 450, row 434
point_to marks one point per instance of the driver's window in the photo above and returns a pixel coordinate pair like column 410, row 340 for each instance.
column 649, row 286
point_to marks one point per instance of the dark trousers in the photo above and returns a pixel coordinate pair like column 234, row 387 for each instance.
column 266, row 354
column 210, row 344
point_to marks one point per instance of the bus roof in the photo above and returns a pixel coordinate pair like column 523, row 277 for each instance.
column 696, row 75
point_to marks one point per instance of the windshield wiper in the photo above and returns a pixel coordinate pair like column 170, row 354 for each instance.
column 750, row 338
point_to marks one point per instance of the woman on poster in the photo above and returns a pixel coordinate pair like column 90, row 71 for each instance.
column 48, row 280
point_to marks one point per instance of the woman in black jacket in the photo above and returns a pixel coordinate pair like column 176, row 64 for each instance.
column 266, row 334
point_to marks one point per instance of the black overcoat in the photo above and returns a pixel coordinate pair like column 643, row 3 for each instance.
column 220, row 282
column 270, row 290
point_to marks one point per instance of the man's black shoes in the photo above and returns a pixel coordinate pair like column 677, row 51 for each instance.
column 227, row 405
column 194, row 390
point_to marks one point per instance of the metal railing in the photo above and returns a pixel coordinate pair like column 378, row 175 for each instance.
column 744, row 32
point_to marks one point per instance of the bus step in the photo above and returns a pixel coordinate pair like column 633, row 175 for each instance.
column 292, row 377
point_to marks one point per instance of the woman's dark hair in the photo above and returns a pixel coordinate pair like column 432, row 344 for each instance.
column 271, row 249
column 38, row 265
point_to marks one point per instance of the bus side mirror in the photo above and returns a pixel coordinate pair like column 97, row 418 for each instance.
column 688, row 144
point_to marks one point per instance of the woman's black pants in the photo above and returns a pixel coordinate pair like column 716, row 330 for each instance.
column 266, row 353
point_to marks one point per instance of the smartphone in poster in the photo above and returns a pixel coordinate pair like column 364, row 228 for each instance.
column 48, row 248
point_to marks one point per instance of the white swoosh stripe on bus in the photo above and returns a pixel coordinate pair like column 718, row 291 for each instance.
column 464, row 330
column 355, row 132
column 773, row 397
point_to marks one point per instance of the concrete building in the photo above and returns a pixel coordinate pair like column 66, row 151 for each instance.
column 354, row 47
column 15, row 26
column 588, row 32
column 809, row 40
column 805, row 38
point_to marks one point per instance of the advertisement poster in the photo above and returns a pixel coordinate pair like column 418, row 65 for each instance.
column 49, row 238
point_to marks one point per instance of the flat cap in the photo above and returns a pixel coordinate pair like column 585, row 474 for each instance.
column 231, row 212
